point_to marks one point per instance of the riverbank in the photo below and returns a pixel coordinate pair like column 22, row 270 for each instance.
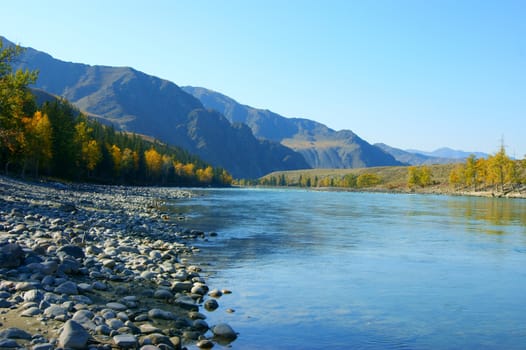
column 88, row 266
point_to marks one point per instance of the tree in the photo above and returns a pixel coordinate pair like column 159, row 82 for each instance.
column 412, row 176
column 116, row 156
column 419, row 176
column 90, row 152
column 499, row 168
column 153, row 162
column 456, row 176
column 205, row 175
column 37, row 131
column 368, row 180
column 16, row 102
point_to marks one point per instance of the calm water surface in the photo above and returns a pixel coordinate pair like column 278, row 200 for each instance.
column 318, row 270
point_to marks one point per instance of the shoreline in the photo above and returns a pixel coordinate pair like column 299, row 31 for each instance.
column 95, row 266
column 428, row 190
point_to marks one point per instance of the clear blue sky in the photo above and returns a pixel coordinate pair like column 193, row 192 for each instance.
column 413, row 74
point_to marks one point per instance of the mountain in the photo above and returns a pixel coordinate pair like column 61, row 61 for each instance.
column 136, row 102
column 321, row 146
column 446, row 152
column 410, row 158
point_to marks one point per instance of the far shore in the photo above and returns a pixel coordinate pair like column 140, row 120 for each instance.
column 519, row 193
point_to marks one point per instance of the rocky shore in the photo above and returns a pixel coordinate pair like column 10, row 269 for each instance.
column 99, row 267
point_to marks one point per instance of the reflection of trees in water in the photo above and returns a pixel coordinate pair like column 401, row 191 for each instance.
column 496, row 211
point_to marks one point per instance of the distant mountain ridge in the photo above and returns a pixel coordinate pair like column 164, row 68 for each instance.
column 321, row 146
column 134, row 101
column 446, row 152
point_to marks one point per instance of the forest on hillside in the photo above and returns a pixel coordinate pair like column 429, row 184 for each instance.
column 56, row 140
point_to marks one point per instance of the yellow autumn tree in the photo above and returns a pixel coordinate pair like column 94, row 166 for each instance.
column 153, row 161
column 189, row 169
column 500, row 169
column 205, row 175
column 226, row 178
column 116, row 157
column 37, row 141
column 178, row 168
column 128, row 164
column 90, row 152
column 368, row 180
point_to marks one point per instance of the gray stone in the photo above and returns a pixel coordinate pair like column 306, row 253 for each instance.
column 85, row 287
column 205, row 344
column 73, row 336
column 15, row 333
column 55, row 311
column 148, row 275
column 32, row 311
column 224, row 331
column 68, row 287
column 43, row 346
column 8, row 343
column 4, row 303
column 72, row 250
column 84, row 318
column 149, row 329
column 103, row 330
column 159, row 338
column 33, row 295
column 18, row 229
column 99, row 286
column 25, row 286
column 163, row 294
column 161, row 314
column 187, row 303
column 211, row 305
column 215, row 293
column 182, row 286
column 69, row 266
column 125, row 341
column 200, row 325
column 149, row 347
column 115, row 323
column 81, row 299
column 116, row 306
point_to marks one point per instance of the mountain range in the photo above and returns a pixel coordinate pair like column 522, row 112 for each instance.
column 134, row 101
column 321, row 146
column 246, row 141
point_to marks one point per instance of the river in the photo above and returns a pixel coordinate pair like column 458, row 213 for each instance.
column 318, row 270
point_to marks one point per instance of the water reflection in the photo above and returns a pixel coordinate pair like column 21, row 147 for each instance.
column 497, row 212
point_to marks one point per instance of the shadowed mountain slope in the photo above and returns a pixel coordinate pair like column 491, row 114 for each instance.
column 321, row 146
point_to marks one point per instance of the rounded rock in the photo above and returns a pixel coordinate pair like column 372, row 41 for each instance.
column 224, row 331
column 211, row 305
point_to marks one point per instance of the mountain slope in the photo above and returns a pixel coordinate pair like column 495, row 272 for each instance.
column 321, row 146
column 137, row 102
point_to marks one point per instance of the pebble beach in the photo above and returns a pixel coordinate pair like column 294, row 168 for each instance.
column 100, row 267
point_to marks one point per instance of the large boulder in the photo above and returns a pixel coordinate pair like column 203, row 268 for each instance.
column 73, row 336
column 11, row 255
column 224, row 332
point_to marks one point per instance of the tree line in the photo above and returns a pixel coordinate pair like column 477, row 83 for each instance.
column 498, row 173
column 56, row 140
column 351, row 181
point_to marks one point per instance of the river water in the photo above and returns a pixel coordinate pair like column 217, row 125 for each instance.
column 319, row 270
